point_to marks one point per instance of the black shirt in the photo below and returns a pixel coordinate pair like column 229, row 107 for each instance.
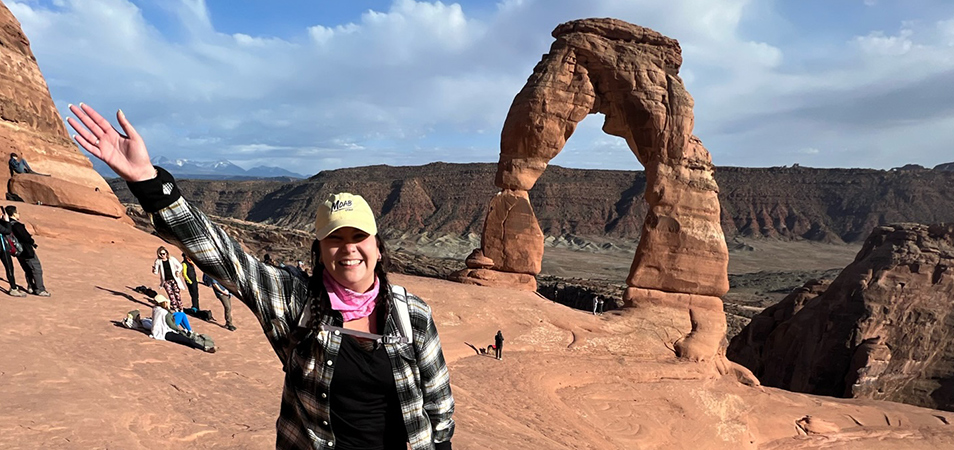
column 167, row 271
column 365, row 410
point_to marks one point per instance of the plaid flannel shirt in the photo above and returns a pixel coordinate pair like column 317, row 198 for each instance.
column 278, row 300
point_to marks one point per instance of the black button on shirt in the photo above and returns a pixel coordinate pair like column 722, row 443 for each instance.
column 365, row 410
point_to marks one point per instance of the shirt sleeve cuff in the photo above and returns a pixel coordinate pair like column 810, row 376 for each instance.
column 442, row 446
column 156, row 193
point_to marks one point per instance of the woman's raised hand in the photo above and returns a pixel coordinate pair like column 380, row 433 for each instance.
column 125, row 154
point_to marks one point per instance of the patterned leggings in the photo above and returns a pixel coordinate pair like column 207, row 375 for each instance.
column 172, row 288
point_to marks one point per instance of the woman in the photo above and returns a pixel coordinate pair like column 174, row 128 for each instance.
column 170, row 276
column 354, row 378
column 167, row 325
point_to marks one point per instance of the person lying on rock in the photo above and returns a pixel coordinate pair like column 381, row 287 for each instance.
column 363, row 361
column 18, row 165
column 167, row 325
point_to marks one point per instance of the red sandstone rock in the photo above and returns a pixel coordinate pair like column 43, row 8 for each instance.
column 495, row 278
column 568, row 379
column 630, row 74
column 477, row 260
column 34, row 129
column 881, row 330
column 746, row 347
column 51, row 191
column 512, row 238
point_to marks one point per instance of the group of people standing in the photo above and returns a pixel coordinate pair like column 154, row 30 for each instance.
column 16, row 241
column 175, row 276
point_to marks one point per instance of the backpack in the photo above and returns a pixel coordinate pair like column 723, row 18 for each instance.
column 148, row 292
column 201, row 314
column 400, row 314
column 205, row 342
column 12, row 244
column 132, row 320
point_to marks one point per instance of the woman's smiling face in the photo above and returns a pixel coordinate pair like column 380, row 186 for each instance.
column 350, row 256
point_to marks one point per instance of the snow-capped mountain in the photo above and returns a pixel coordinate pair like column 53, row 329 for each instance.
column 215, row 170
column 190, row 169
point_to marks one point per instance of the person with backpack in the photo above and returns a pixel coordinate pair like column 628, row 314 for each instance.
column 29, row 261
column 362, row 357
column 7, row 250
column 191, row 281
column 170, row 276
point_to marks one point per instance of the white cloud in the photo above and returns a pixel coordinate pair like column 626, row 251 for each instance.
column 426, row 80
column 876, row 43
column 946, row 29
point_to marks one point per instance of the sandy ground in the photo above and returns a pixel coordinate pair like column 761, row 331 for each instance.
column 71, row 379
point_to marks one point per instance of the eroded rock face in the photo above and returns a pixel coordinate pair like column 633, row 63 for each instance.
column 882, row 330
column 32, row 128
column 512, row 238
column 630, row 74
column 746, row 347
column 42, row 190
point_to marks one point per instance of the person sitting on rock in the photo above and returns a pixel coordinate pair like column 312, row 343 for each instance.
column 18, row 165
column 171, row 326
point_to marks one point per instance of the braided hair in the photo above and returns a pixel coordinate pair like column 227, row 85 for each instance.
column 318, row 294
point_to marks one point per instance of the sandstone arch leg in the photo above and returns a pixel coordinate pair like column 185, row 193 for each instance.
column 512, row 245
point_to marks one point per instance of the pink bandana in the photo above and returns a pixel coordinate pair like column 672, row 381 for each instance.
column 352, row 305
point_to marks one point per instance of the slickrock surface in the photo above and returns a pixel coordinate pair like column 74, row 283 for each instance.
column 71, row 379
column 31, row 127
column 882, row 330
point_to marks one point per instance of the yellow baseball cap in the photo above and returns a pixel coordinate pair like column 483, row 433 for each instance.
column 344, row 210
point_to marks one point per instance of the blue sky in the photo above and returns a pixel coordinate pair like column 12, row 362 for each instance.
column 310, row 85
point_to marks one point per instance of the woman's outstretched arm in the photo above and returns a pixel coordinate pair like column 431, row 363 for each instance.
column 274, row 296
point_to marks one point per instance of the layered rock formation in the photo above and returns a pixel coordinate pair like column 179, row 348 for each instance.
column 786, row 203
column 882, row 330
column 31, row 127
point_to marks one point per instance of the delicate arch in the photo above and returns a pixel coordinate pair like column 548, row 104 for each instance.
column 630, row 75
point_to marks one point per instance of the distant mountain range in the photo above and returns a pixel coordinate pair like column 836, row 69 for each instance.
column 827, row 205
column 208, row 170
